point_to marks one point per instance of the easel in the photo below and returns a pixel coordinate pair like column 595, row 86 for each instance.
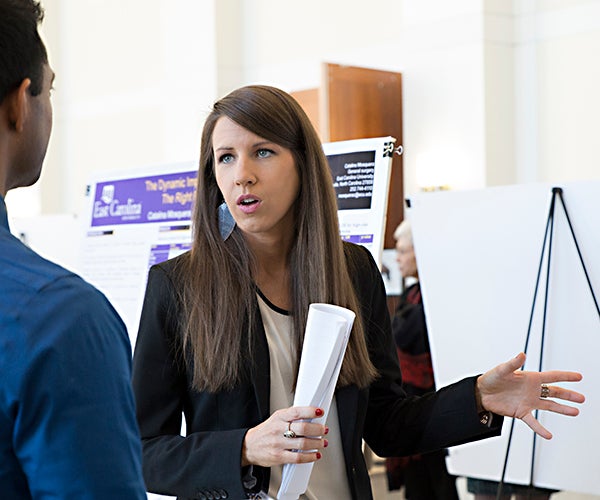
column 547, row 244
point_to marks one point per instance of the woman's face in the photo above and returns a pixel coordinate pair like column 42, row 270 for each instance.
column 405, row 256
column 258, row 180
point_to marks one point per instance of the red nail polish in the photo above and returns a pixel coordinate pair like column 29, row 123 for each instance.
column 319, row 412
column 318, row 455
column 325, row 443
column 326, row 430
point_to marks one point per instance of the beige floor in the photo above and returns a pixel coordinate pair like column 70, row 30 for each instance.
column 379, row 485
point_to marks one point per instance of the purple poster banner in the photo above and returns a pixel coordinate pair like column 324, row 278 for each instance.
column 160, row 253
column 361, row 239
column 158, row 198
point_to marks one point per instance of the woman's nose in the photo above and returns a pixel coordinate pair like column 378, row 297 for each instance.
column 244, row 175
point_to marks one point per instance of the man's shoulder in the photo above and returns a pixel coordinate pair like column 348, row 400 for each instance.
column 26, row 275
column 44, row 304
column 23, row 268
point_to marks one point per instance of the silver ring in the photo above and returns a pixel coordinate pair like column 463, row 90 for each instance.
column 289, row 433
column 544, row 391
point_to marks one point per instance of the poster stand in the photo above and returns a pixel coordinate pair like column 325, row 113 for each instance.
column 557, row 193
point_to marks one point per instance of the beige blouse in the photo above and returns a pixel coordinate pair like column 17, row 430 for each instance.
column 328, row 479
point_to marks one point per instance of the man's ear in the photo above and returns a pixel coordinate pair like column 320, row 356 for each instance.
column 18, row 105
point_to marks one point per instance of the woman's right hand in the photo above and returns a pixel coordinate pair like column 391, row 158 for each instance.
column 266, row 445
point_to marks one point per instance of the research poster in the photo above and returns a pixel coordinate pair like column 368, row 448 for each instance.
column 133, row 220
column 361, row 172
column 142, row 217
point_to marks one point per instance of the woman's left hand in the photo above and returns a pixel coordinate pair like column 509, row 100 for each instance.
column 508, row 391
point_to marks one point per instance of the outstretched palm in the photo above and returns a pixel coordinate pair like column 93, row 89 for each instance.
column 508, row 391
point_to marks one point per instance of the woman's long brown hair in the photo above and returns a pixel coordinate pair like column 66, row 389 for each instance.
column 218, row 291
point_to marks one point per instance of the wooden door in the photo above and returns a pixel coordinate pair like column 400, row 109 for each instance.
column 357, row 103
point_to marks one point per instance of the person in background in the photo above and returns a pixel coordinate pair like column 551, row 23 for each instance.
column 425, row 477
column 67, row 417
column 221, row 331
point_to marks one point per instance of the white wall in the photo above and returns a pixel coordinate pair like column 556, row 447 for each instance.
column 134, row 81
column 498, row 92
column 501, row 92
column 437, row 45
column 569, row 78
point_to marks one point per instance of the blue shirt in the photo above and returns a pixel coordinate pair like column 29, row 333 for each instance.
column 67, row 414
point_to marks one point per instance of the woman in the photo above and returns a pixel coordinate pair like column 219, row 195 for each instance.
column 222, row 326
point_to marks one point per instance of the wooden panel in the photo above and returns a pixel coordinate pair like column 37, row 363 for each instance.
column 364, row 103
column 309, row 100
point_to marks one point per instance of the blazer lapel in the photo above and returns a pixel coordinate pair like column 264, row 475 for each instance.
column 261, row 377
column 347, row 406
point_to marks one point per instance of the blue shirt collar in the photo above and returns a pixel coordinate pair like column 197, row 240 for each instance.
column 3, row 214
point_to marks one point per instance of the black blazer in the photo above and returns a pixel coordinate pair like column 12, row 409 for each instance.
column 207, row 461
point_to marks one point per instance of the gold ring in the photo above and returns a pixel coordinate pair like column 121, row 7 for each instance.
column 289, row 433
column 544, row 391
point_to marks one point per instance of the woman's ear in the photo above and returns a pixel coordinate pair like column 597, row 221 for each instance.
column 17, row 103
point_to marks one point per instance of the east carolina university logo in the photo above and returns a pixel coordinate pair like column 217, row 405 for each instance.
column 108, row 206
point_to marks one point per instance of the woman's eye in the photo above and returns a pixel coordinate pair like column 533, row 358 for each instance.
column 264, row 153
column 226, row 158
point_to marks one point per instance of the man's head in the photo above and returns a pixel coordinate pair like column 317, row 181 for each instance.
column 25, row 85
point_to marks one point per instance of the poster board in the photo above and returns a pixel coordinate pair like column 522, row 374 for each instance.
column 361, row 170
column 478, row 254
column 133, row 220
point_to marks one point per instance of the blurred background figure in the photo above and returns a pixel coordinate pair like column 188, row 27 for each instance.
column 424, row 477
